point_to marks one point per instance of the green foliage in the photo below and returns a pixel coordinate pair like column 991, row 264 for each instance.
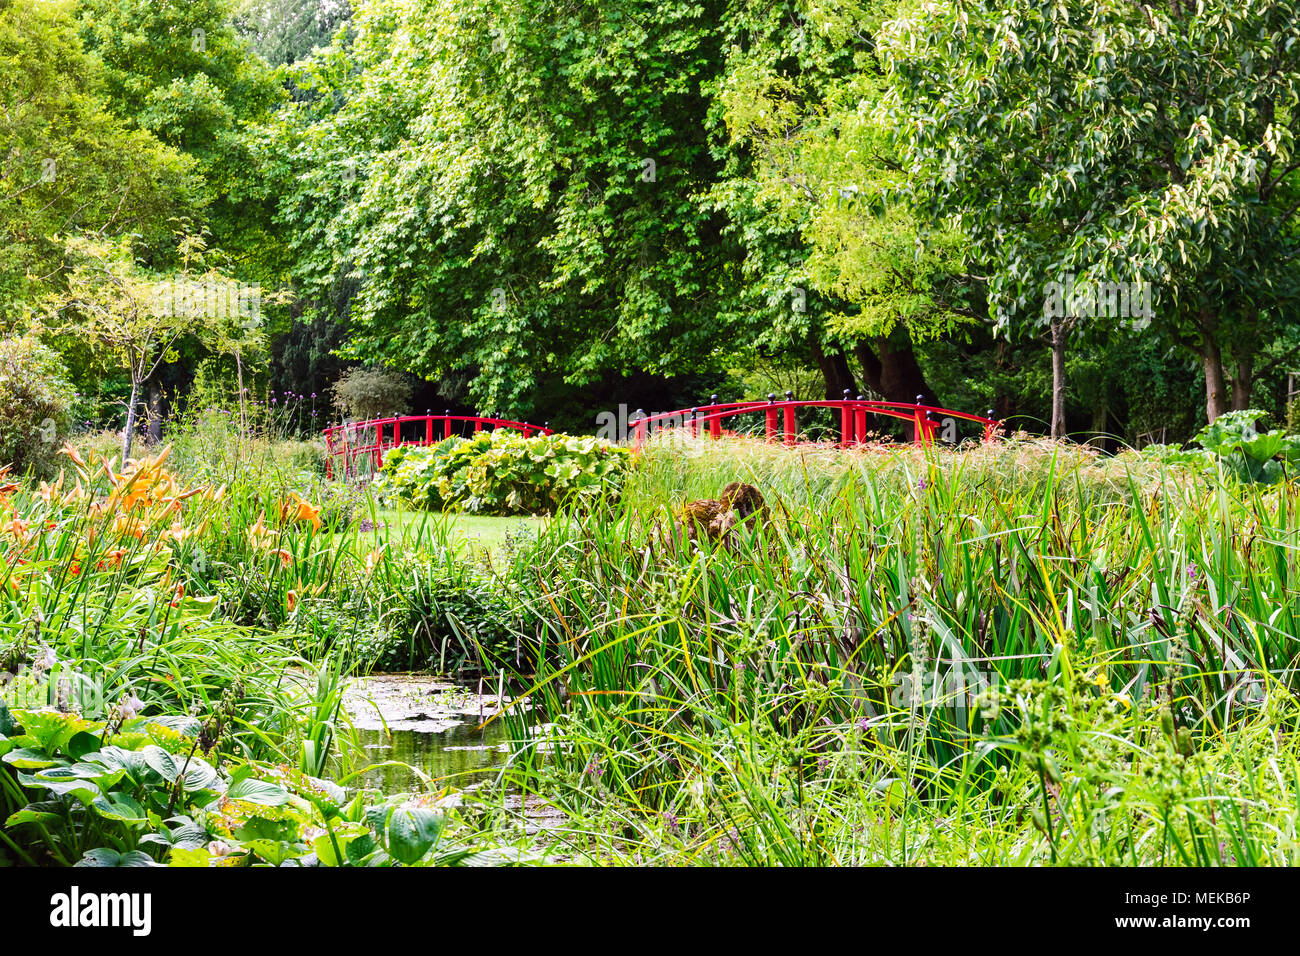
column 1111, row 142
column 502, row 472
column 804, row 99
column 68, row 164
column 136, row 793
column 571, row 176
column 364, row 393
column 94, row 791
column 122, row 312
column 36, row 402
column 932, row 657
column 1247, row 454
column 181, row 72
column 282, row 31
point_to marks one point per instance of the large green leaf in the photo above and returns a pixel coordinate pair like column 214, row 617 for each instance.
column 103, row 856
column 413, row 832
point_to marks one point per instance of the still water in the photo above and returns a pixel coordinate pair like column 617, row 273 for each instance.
column 455, row 757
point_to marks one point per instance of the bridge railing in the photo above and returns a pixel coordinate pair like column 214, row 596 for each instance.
column 354, row 443
column 781, row 419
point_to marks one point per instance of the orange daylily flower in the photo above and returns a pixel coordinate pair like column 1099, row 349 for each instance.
column 72, row 453
column 123, row 525
column 111, row 560
column 373, row 559
column 305, row 511
column 178, row 532
column 291, row 600
column 48, row 492
column 285, row 557
column 259, row 535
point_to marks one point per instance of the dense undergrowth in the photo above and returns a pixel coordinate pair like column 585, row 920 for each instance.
column 1019, row 653
column 1010, row 655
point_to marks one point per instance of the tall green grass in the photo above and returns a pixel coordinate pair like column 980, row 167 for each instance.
column 1016, row 654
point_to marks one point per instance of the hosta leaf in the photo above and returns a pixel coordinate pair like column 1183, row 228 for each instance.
column 27, row 758
column 412, row 832
column 103, row 856
column 119, row 807
column 250, row 790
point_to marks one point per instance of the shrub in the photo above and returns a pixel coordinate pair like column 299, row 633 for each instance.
column 1232, row 440
column 366, row 393
column 453, row 618
column 502, row 472
column 442, row 616
column 35, row 404
column 1249, row 455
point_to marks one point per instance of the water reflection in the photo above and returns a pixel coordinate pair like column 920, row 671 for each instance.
column 455, row 757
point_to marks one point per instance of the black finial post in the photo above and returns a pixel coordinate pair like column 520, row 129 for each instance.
column 991, row 411
column 771, row 398
column 789, row 395
column 920, row 399
column 848, row 394
column 713, row 399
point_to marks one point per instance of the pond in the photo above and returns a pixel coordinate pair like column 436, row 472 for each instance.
column 455, row 757
column 442, row 728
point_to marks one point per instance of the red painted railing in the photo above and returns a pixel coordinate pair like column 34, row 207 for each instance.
column 782, row 423
column 360, row 441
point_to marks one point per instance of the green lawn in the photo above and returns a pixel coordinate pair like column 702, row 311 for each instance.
column 477, row 532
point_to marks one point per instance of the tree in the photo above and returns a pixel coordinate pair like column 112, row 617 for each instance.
column 284, row 31
column 543, row 191
column 1112, row 142
column 136, row 320
column 66, row 163
column 823, row 164
column 181, row 71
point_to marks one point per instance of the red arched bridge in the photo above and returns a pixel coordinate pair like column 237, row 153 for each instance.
column 781, row 419
column 358, row 442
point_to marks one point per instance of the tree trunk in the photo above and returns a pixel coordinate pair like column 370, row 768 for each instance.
column 1243, row 382
column 128, row 432
column 1059, row 334
column 890, row 367
column 1004, row 405
column 1100, row 414
column 872, row 369
column 1216, row 392
column 835, row 372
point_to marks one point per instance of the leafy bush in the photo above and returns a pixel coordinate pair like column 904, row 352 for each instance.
column 366, row 393
column 502, row 472
column 1249, row 455
column 456, row 619
column 1233, row 441
column 35, row 404
column 437, row 616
